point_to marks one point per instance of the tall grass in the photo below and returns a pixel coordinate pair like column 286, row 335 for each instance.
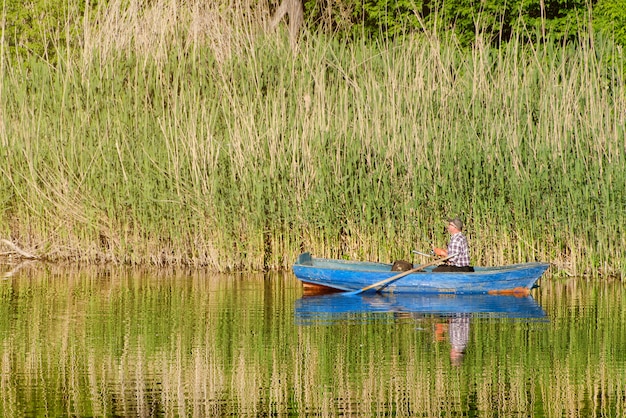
column 186, row 134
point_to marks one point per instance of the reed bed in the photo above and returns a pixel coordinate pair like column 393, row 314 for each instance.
column 183, row 133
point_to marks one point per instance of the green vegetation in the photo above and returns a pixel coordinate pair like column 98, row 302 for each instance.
column 186, row 135
column 609, row 17
column 495, row 20
column 41, row 27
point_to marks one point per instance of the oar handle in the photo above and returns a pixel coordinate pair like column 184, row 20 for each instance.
column 401, row 275
column 438, row 261
column 390, row 279
column 432, row 254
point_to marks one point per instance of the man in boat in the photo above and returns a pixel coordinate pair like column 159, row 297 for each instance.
column 457, row 245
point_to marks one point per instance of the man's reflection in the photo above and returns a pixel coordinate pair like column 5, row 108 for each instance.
column 458, row 327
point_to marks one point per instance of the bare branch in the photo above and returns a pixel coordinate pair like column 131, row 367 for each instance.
column 18, row 250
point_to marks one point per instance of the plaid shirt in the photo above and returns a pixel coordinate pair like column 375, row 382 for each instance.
column 458, row 245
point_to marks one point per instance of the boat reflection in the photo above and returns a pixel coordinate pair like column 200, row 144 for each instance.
column 338, row 306
column 450, row 314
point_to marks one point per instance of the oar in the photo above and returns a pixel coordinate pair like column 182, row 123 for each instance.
column 424, row 254
column 398, row 276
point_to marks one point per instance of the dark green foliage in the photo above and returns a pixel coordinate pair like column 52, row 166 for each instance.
column 609, row 17
column 498, row 19
column 42, row 27
column 495, row 19
column 390, row 17
column 368, row 17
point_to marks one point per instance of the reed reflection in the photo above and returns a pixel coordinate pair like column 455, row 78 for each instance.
column 119, row 343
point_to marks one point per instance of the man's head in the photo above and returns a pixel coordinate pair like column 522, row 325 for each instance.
column 456, row 224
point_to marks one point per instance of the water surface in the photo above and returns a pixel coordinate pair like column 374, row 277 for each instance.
column 115, row 342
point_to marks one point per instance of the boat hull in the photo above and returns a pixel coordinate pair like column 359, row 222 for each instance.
column 350, row 276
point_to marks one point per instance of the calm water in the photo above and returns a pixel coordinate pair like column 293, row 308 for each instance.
column 121, row 343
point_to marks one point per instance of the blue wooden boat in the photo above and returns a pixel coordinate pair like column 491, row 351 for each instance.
column 350, row 276
column 339, row 306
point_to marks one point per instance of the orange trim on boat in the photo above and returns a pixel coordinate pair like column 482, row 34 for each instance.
column 517, row 291
column 311, row 289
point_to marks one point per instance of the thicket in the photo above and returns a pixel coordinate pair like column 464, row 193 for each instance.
column 494, row 20
column 40, row 27
column 183, row 133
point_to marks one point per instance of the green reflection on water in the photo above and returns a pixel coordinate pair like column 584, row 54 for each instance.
column 126, row 343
